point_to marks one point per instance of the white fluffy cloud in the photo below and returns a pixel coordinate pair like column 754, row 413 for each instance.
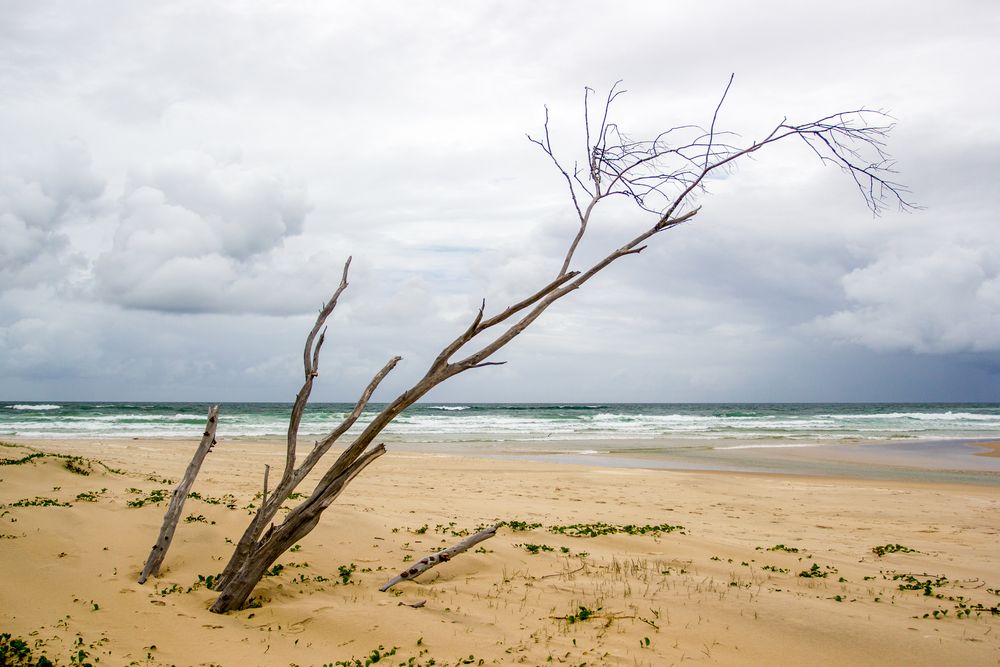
column 199, row 235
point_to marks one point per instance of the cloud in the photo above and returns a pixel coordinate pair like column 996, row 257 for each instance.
column 941, row 298
column 198, row 235
column 38, row 200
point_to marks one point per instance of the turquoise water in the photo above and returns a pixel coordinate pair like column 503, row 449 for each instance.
column 747, row 425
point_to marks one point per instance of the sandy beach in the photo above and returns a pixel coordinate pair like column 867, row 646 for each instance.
column 721, row 568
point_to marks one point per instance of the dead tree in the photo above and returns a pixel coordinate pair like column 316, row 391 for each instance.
column 660, row 175
column 173, row 515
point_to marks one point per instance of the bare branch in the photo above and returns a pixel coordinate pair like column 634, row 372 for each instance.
column 442, row 556
column 310, row 362
column 711, row 129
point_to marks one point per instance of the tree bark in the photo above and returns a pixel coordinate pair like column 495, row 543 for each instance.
column 235, row 590
column 173, row 515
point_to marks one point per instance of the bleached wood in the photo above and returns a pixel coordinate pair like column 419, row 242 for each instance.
column 173, row 514
column 442, row 556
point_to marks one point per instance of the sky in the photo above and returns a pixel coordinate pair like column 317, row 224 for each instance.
column 181, row 183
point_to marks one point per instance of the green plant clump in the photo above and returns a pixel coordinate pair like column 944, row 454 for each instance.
column 21, row 461
column 912, row 583
column 77, row 464
column 535, row 548
column 16, row 653
column 39, row 501
column 815, row 572
column 892, row 549
column 154, row 496
column 345, row 572
column 782, row 547
column 582, row 614
column 520, row 526
column 600, row 528
column 91, row 496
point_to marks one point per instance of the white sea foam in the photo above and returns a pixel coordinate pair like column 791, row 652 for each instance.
column 28, row 406
column 448, row 407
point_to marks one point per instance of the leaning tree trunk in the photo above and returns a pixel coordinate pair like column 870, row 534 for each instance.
column 173, row 514
column 236, row 589
column 659, row 178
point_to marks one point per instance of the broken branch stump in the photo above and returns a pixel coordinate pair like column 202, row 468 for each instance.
column 176, row 506
column 443, row 556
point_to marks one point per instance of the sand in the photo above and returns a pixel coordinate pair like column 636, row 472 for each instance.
column 715, row 592
column 991, row 449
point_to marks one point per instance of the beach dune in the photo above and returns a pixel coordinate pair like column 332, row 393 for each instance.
column 702, row 567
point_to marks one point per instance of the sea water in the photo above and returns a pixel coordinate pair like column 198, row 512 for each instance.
column 737, row 425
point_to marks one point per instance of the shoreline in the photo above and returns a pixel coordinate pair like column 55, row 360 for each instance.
column 951, row 460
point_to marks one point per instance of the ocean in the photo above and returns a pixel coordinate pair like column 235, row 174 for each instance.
column 485, row 423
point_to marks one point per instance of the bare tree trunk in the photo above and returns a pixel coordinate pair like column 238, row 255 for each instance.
column 442, row 556
column 299, row 523
column 176, row 506
column 659, row 177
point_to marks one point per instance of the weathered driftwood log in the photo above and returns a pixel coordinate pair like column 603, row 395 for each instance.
column 443, row 556
column 176, row 506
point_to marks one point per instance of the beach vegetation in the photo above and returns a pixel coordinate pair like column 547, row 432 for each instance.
column 345, row 572
column 373, row 657
column 205, row 581
column 39, row 501
column 227, row 500
column 581, row 614
column 519, row 526
column 21, row 461
column 153, row 497
column 816, row 572
column 600, row 528
column 536, row 548
column 782, row 547
column 18, row 653
column 91, row 496
column 78, row 465
column 892, row 549
column 911, row 582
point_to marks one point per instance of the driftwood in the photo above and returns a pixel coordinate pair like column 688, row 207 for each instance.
column 176, row 506
column 443, row 556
